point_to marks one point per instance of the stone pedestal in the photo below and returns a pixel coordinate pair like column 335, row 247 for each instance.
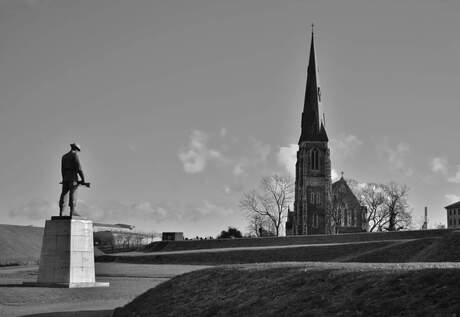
column 67, row 255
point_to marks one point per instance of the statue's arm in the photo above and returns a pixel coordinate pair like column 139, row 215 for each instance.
column 79, row 169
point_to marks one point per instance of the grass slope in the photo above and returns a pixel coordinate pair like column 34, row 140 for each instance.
column 445, row 248
column 290, row 240
column 311, row 253
column 20, row 244
column 299, row 290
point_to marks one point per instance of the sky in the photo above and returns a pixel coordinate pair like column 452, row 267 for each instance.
column 182, row 105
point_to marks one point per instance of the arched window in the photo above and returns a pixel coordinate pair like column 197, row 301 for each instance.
column 314, row 159
column 315, row 220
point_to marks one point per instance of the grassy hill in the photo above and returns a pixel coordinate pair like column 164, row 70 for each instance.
column 296, row 289
column 161, row 246
column 432, row 249
column 20, row 244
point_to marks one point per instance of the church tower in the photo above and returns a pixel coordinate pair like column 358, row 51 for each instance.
column 313, row 167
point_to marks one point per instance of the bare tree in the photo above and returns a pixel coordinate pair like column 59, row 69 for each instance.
column 386, row 205
column 258, row 224
column 335, row 212
column 372, row 196
column 270, row 201
column 396, row 204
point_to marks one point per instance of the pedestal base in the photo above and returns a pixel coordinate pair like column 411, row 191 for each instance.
column 67, row 285
column 67, row 256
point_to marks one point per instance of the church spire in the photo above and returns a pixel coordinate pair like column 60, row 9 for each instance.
column 311, row 128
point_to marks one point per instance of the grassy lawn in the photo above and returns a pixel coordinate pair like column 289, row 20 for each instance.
column 302, row 290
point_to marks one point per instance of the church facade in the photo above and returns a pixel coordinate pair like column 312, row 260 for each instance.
column 314, row 205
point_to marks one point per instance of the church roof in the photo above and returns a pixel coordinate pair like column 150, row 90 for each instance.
column 349, row 195
column 340, row 181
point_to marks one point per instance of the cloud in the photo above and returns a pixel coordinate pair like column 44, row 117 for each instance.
column 334, row 175
column 287, row 157
column 238, row 168
column 451, row 198
column 397, row 157
column 35, row 209
column 208, row 208
column 197, row 154
column 345, row 144
column 456, row 178
column 223, row 132
column 439, row 165
column 145, row 215
column 259, row 153
column 262, row 150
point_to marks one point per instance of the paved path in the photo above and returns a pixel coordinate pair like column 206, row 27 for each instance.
column 137, row 253
column 127, row 281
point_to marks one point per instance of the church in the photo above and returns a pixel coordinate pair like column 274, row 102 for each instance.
column 320, row 207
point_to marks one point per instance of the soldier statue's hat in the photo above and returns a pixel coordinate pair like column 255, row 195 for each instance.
column 75, row 146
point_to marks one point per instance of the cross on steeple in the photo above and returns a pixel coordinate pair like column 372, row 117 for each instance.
column 341, row 173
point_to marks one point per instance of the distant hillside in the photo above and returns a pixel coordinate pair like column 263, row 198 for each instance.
column 20, row 244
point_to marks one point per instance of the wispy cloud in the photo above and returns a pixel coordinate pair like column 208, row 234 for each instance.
column 452, row 198
column 397, row 157
column 439, row 165
column 238, row 168
column 35, row 209
column 287, row 157
column 142, row 212
column 197, row 154
column 456, row 178
column 258, row 154
column 345, row 144
column 334, row 175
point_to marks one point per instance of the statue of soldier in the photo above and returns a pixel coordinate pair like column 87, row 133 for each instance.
column 70, row 170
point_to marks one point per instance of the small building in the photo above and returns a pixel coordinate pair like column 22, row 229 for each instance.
column 172, row 236
column 453, row 215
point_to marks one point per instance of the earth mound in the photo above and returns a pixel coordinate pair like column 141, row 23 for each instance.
column 295, row 289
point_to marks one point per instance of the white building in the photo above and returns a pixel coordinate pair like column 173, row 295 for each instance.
column 453, row 215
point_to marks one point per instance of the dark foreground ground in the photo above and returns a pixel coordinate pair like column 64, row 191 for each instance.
column 381, row 277
column 126, row 282
column 306, row 289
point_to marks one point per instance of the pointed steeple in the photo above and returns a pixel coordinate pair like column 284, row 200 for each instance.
column 311, row 127
column 322, row 134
